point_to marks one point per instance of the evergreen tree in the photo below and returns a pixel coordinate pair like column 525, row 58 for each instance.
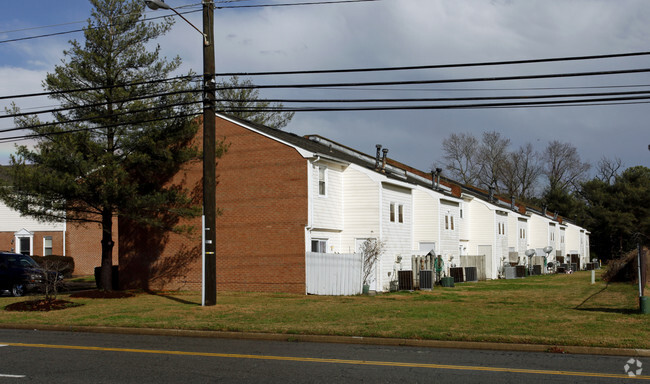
column 618, row 213
column 114, row 149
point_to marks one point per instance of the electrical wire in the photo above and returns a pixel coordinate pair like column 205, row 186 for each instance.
column 188, row 12
column 38, row 135
column 442, row 81
column 55, row 110
column 125, row 85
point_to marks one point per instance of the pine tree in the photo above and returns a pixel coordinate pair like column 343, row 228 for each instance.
column 115, row 148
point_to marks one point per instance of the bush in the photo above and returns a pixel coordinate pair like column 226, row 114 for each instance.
column 66, row 263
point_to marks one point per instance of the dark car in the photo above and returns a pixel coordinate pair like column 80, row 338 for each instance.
column 20, row 274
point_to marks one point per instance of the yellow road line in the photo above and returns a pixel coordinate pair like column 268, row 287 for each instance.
column 334, row 361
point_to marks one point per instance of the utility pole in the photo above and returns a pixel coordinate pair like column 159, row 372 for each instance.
column 209, row 289
column 209, row 159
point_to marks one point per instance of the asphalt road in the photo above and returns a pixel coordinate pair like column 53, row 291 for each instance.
column 65, row 357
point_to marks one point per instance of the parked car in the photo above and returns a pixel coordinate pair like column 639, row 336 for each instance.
column 20, row 274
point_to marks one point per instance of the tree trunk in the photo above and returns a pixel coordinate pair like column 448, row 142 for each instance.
column 107, row 250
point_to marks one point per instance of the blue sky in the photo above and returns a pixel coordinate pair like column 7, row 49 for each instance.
column 393, row 33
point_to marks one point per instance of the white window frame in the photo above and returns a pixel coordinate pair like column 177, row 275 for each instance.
column 391, row 212
column 47, row 239
column 322, row 245
column 322, row 183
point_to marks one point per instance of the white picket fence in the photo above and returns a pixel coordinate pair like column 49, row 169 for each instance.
column 336, row 274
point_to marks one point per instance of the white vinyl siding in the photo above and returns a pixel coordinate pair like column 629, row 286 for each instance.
column 397, row 236
column 449, row 233
column 425, row 218
column 12, row 221
column 361, row 208
column 328, row 208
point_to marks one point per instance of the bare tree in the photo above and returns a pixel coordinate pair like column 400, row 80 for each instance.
column 563, row 167
column 371, row 249
column 492, row 156
column 608, row 169
column 460, row 153
column 521, row 172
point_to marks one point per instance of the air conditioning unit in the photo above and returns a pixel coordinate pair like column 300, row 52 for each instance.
column 471, row 274
column 520, row 271
column 405, row 280
column 510, row 272
column 457, row 274
column 426, row 279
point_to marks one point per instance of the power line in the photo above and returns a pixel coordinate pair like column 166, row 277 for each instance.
column 349, row 84
column 442, row 81
column 537, row 104
column 445, row 99
column 115, row 114
column 54, row 110
column 441, row 66
column 52, row 93
column 38, row 135
column 188, row 12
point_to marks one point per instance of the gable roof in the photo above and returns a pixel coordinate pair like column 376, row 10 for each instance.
column 395, row 170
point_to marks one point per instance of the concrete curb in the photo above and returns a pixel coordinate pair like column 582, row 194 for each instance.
column 342, row 340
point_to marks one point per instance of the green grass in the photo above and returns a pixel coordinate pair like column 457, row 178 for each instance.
column 554, row 310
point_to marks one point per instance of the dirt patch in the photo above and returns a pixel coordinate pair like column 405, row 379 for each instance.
column 41, row 305
column 97, row 294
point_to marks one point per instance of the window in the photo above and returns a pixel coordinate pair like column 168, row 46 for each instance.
column 446, row 222
column 322, row 186
column 47, row 246
column 319, row 245
column 392, row 212
column 451, row 220
column 400, row 213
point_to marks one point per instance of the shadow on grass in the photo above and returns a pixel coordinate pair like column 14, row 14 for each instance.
column 172, row 298
column 625, row 311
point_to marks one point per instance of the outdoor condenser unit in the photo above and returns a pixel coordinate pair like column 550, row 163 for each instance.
column 520, row 271
column 426, row 279
column 471, row 274
column 457, row 274
column 405, row 280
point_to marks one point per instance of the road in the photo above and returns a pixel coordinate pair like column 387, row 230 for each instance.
column 65, row 357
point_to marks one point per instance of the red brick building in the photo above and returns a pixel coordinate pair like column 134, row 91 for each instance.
column 262, row 199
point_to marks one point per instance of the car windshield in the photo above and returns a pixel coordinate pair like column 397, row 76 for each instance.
column 21, row 261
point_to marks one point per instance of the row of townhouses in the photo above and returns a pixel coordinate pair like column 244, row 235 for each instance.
column 283, row 197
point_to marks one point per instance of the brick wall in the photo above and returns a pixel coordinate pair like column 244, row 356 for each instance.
column 262, row 195
column 7, row 240
column 83, row 243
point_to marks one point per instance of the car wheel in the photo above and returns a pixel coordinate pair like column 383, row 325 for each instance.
column 17, row 290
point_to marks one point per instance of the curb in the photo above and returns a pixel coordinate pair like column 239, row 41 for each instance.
column 571, row 349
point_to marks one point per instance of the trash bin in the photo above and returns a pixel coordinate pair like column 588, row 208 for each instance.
column 447, row 281
column 643, row 305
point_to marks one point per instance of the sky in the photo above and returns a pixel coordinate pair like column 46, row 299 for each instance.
column 391, row 33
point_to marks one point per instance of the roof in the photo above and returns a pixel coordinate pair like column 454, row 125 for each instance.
column 394, row 170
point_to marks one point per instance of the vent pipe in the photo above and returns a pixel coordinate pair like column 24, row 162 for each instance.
column 433, row 180
column 383, row 159
column 555, row 215
column 438, row 172
column 491, row 191
column 513, row 204
column 377, row 156
column 544, row 208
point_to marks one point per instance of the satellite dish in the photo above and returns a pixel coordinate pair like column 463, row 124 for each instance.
column 529, row 252
column 548, row 249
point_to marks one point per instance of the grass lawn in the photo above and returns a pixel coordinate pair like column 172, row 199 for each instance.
column 552, row 309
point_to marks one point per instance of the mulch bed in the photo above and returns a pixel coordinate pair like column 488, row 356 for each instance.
column 97, row 294
column 41, row 305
